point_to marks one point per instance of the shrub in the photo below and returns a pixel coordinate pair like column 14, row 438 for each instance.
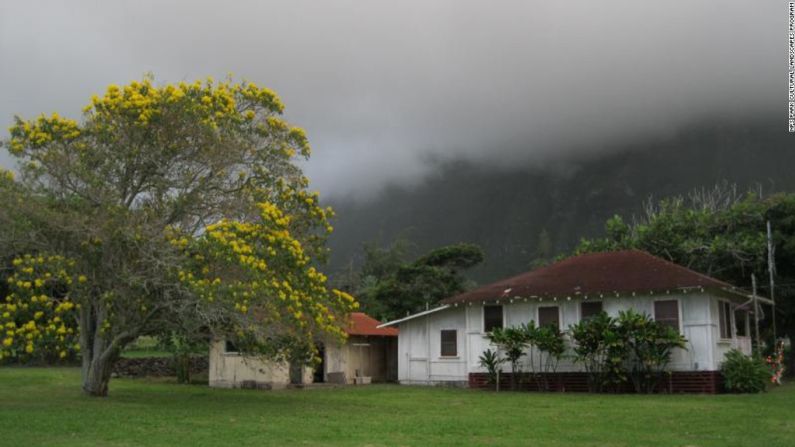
column 551, row 347
column 512, row 342
column 146, row 343
column 649, row 345
column 744, row 374
column 491, row 361
column 600, row 349
column 631, row 347
column 775, row 361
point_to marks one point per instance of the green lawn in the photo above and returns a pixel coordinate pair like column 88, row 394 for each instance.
column 45, row 407
column 136, row 354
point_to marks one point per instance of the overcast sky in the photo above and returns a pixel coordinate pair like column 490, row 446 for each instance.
column 384, row 88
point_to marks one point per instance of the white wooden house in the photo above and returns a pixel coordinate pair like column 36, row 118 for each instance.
column 443, row 345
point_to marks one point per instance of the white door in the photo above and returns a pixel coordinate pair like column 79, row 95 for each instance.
column 418, row 351
column 418, row 370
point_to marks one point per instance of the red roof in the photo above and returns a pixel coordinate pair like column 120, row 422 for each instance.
column 608, row 272
column 363, row 324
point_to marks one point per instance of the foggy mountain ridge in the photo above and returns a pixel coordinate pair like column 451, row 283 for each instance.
column 505, row 209
column 490, row 124
column 381, row 88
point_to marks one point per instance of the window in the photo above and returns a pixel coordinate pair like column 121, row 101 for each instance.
column 449, row 343
column 725, row 319
column 230, row 347
column 492, row 318
column 741, row 322
column 548, row 315
column 590, row 309
column 667, row 312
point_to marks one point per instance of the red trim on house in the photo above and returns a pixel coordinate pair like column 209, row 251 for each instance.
column 703, row 382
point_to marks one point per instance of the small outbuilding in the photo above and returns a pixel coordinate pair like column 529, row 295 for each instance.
column 368, row 355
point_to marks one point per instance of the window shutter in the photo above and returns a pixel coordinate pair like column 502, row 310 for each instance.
column 724, row 319
column 589, row 309
column 548, row 315
column 667, row 312
column 449, row 343
column 230, row 347
column 492, row 318
column 741, row 322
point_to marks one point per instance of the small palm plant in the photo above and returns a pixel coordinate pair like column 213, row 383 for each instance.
column 491, row 360
column 512, row 342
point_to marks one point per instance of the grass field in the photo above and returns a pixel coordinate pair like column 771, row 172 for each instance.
column 45, row 407
column 135, row 354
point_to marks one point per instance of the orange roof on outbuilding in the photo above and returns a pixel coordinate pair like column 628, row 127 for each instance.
column 363, row 324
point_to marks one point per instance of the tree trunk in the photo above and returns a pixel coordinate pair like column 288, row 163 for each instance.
column 97, row 351
column 296, row 372
column 182, row 365
column 95, row 380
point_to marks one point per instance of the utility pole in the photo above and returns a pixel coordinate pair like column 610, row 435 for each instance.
column 756, row 313
column 771, row 268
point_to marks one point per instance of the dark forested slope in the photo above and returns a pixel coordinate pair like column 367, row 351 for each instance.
column 506, row 210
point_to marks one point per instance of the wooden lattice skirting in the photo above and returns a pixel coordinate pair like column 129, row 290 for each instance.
column 705, row 382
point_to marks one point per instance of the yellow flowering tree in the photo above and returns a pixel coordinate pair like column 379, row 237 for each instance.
column 176, row 207
column 261, row 272
column 37, row 316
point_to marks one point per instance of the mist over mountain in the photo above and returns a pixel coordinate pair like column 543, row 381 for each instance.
column 506, row 209
column 490, row 124
column 380, row 87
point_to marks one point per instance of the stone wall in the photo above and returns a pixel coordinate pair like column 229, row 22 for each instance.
column 156, row 366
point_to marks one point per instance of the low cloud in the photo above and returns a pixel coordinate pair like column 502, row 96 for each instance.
column 384, row 88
